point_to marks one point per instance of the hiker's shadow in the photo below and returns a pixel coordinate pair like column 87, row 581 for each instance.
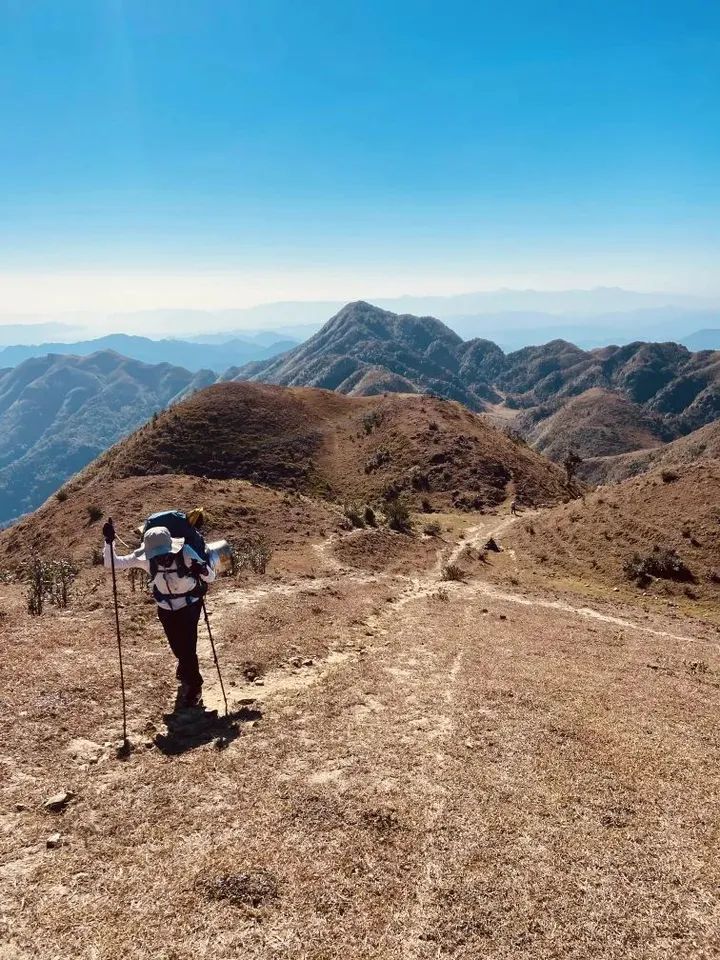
column 191, row 727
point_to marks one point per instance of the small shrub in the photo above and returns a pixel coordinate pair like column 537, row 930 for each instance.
column 369, row 517
column 714, row 576
column 451, row 571
column 48, row 581
column 62, row 495
column 669, row 476
column 97, row 557
column 571, row 463
column 377, row 460
column 371, row 421
column 253, row 553
column 420, row 481
column 354, row 514
column 425, row 505
column 663, row 563
column 432, row 529
column 397, row 514
column 94, row 513
column 441, row 594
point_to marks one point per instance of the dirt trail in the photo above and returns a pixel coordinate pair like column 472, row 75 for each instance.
column 413, row 590
column 450, row 777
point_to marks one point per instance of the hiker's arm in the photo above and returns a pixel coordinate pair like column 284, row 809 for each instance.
column 123, row 563
column 198, row 566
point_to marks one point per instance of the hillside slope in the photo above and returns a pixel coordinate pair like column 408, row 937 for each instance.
column 361, row 337
column 58, row 413
column 594, row 538
column 595, row 420
column 324, row 443
column 701, row 444
column 410, row 768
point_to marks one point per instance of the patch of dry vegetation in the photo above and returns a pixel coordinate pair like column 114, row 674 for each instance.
column 631, row 526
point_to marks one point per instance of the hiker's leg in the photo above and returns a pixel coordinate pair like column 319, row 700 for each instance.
column 195, row 679
column 181, row 628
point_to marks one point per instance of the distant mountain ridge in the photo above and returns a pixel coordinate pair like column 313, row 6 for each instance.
column 665, row 379
column 58, row 413
column 362, row 340
column 183, row 353
column 511, row 317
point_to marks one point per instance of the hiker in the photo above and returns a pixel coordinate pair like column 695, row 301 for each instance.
column 179, row 578
column 513, row 508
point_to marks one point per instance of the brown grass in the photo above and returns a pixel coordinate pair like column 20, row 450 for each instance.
column 593, row 539
column 317, row 441
column 445, row 779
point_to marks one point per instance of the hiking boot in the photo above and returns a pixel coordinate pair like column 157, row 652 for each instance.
column 193, row 697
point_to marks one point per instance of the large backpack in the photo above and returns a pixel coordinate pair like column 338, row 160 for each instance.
column 179, row 526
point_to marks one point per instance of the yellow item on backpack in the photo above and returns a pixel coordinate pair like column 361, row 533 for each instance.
column 198, row 514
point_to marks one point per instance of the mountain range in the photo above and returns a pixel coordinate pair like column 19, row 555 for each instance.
column 58, row 412
column 191, row 355
column 364, row 349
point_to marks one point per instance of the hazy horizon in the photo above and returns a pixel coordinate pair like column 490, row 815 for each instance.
column 593, row 314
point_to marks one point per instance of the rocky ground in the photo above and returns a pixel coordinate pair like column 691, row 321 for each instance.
column 413, row 766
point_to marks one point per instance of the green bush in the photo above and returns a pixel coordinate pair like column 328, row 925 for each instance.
column 354, row 514
column 662, row 563
column 397, row 515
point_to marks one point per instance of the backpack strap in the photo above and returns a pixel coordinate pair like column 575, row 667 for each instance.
column 181, row 570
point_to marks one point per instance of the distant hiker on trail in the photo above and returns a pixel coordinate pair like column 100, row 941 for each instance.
column 179, row 576
column 513, row 508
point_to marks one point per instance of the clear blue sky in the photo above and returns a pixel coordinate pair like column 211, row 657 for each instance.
column 321, row 146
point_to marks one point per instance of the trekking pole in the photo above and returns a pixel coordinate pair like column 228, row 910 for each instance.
column 214, row 651
column 126, row 745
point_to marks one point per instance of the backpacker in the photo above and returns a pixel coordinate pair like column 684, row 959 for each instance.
column 179, row 526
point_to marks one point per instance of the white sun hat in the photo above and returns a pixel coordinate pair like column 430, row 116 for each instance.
column 158, row 541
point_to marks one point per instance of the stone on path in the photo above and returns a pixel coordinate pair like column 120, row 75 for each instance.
column 58, row 801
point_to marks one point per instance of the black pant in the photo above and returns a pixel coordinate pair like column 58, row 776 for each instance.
column 181, row 627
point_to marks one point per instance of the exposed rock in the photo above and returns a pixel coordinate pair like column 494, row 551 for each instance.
column 58, row 801
column 85, row 751
column 54, row 841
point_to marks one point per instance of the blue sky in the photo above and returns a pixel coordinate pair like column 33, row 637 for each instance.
column 165, row 152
